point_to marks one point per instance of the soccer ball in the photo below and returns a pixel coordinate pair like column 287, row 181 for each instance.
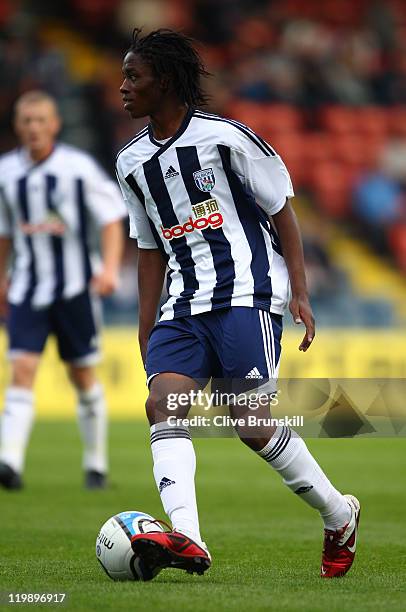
column 113, row 546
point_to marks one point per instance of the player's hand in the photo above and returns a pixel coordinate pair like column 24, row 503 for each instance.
column 302, row 313
column 105, row 283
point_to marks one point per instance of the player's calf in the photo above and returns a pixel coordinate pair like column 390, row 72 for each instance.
column 257, row 434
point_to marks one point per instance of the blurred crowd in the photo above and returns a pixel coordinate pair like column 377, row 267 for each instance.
column 323, row 82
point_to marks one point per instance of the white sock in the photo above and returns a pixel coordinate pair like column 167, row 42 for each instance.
column 93, row 427
column 16, row 424
column 174, row 471
column 287, row 453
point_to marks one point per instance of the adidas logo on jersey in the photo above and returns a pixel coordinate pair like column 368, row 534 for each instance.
column 171, row 172
column 165, row 482
column 254, row 373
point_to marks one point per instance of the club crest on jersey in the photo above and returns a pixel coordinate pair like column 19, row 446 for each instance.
column 204, row 179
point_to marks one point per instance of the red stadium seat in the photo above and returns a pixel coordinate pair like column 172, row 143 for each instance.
column 266, row 118
column 249, row 113
column 339, row 119
column 332, row 187
column 372, row 120
column 317, row 147
column 358, row 151
column 397, row 120
column 297, row 8
column 398, row 8
column 342, row 13
column 397, row 242
column 283, row 118
column 367, row 120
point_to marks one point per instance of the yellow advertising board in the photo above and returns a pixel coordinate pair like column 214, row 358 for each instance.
column 338, row 353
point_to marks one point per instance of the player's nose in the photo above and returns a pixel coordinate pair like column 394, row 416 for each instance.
column 124, row 86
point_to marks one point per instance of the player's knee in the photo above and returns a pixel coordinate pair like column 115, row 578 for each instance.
column 157, row 408
column 83, row 378
column 24, row 369
column 160, row 406
column 152, row 409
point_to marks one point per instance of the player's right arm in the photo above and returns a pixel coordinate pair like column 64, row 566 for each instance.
column 151, row 274
column 151, row 263
column 5, row 251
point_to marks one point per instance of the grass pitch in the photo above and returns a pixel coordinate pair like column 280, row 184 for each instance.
column 265, row 542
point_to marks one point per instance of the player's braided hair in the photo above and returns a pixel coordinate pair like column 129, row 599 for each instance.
column 172, row 54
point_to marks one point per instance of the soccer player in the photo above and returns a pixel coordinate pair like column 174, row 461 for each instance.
column 54, row 202
column 210, row 200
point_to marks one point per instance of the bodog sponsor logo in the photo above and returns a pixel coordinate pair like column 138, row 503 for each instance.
column 213, row 221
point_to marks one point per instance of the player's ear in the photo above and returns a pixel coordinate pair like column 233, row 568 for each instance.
column 57, row 123
column 164, row 83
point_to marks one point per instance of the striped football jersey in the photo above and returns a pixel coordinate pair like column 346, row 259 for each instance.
column 205, row 198
column 52, row 211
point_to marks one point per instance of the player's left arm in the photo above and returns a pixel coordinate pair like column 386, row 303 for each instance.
column 266, row 177
column 292, row 247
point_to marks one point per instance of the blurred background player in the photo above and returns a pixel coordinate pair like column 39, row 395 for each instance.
column 55, row 201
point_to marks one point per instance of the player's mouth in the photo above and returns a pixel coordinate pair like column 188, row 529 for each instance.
column 127, row 102
column 34, row 140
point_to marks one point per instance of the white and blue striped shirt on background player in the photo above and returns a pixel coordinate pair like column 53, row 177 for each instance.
column 51, row 211
column 204, row 198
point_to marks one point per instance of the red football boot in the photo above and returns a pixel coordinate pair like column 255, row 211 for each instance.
column 171, row 549
column 339, row 546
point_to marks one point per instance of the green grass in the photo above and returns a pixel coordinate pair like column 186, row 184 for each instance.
column 265, row 542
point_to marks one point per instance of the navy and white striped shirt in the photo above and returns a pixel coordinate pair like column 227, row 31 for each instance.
column 204, row 198
column 51, row 210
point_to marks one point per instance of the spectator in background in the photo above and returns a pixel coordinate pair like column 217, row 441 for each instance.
column 379, row 200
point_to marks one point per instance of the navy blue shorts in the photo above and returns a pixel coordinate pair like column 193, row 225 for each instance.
column 73, row 322
column 232, row 343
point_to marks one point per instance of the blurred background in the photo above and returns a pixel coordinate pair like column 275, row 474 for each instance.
column 323, row 81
